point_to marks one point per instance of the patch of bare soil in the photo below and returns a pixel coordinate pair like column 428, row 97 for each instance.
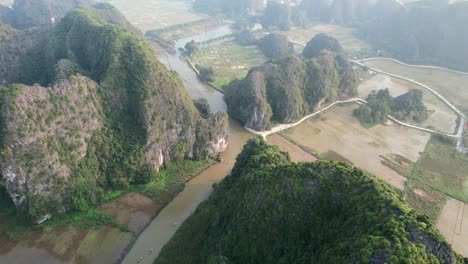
column 133, row 210
column 422, row 194
column 297, row 154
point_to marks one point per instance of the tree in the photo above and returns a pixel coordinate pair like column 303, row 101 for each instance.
column 319, row 43
column 191, row 48
column 275, row 46
column 277, row 15
column 207, row 74
column 246, row 37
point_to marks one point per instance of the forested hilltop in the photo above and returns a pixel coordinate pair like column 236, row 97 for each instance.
column 96, row 110
column 408, row 107
column 423, row 32
column 287, row 89
column 270, row 210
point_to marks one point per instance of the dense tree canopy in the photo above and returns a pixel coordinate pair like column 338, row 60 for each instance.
column 410, row 107
column 118, row 115
column 270, row 210
column 424, row 34
column 380, row 104
column 377, row 109
column 321, row 42
column 275, row 46
column 287, row 89
column 277, row 15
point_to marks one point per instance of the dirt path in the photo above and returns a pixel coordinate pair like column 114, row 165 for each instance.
column 282, row 127
column 459, row 135
column 415, row 66
column 461, row 125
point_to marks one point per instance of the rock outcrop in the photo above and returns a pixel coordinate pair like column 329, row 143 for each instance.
column 106, row 113
column 42, row 129
column 285, row 90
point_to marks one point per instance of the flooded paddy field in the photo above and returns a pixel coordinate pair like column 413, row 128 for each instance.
column 74, row 244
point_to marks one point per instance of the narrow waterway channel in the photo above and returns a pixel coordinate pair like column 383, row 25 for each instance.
column 163, row 227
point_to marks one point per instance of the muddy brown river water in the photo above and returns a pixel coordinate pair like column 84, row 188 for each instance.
column 163, row 227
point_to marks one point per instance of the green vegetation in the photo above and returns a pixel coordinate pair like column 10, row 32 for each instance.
column 277, row 15
column 319, row 43
column 203, row 106
column 408, row 107
column 424, row 199
column 191, row 48
column 114, row 137
column 443, row 168
column 162, row 188
column 446, row 83
column 32, row 13
column 275, row 46
column 246, row 37
column 207, row 74
column 271, row 210
column 377, row 109
column 431, row 34
column 285, row 90
column 229, row 60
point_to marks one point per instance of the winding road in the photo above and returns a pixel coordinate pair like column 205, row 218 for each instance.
column 459, row 133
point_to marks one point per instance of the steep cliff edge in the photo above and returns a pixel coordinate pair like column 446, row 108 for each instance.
column 285, row 90
column 135, row 117
column 45, row 130
column 270, row 210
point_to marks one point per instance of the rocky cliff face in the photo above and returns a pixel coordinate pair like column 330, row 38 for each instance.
column 249, row 104
column 111, row 115
column 285, row 90
column 42, row 129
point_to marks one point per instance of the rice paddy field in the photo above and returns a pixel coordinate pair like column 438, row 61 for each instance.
column 338, row 134
column 453, row 86
column 443, row 168
column 442, row 118
column 155, row 14
column 352, row 44
column 229, row 60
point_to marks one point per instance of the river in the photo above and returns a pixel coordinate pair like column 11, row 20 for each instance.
column 163, row 227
